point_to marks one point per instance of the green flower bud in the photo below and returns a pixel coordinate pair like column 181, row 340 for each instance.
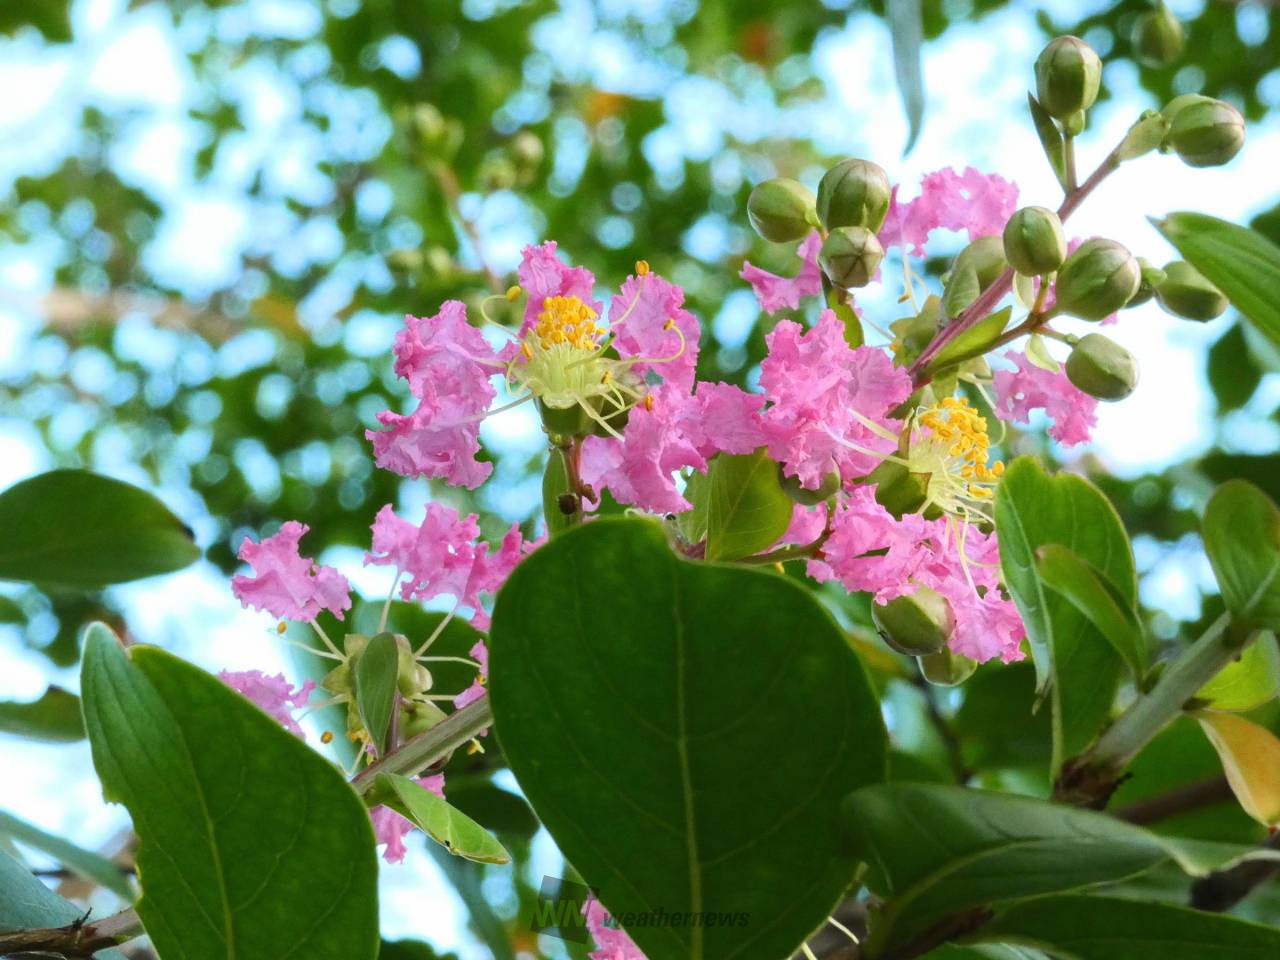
column 854, row 193
column 1034, row 242
column 781, row 210
column 916, row 624
column 1068, row 73
column 1157, row 37
column 412, row 678
column 1186, row 293
column 1152, row 277
column 899, row 490
column 418, row 716
column 1102, row 368
column 1097, row 280
column 1204, row 132
column 803, row 495
column 850, row 256
column 946, row 669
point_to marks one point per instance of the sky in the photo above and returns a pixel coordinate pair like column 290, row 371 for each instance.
column 975, row 77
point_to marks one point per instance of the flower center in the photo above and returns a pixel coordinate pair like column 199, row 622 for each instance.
column 567, row 320
column 950, row 443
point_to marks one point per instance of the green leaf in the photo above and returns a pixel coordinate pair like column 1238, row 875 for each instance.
column 906, row 29
column 1240, row 262
column 686, row 742
column 1233, row 373
column 1050, row 139
column 252, row 844
column 84, row 862
column 446, row 825
column 27, row 904
column 974, row 341
column 1248, row 682
column 375, row 673
column 1241, row 532
column 740, row 507
column 1075, row 665
column 52, row 18
column 79, row 529
column 1064, row 572
column 54, row 718
column 961, row 290
column 939, row 851
column 1108, row 928
column 997, row 724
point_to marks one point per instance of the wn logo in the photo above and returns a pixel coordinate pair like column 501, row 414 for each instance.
column 558, row 912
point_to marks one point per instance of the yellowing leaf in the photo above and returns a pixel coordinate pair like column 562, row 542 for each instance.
column 1250, row 757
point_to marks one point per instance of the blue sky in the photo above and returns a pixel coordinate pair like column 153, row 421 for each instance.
column 976, row 78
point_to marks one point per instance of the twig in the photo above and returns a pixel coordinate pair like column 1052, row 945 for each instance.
column 1190, row 796
column 76, row 939
column 430, row 746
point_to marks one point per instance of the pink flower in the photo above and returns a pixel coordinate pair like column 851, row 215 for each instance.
column 638, row 317
column 977, row 203
column 869, row 550
column 785, row 293
column 273, row 695
column 612, row 942
column 727, row 419
column 830, row 403
column 390, row 827
column 542, row 274
column 289, row 586
column 1029, row 387
column 448, row 364
column 444, row 555
column 807, row 524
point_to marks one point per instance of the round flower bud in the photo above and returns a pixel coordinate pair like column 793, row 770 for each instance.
column 781, row 210
column 1186, row 293
column 946, row 668
column 854, row 193
column 1068, row 73
column 1034, row 242
column 1152, row 277
column 1204, row 132
column 916, row 624
column 850, row 256
column 419, row 716
column 804, row 495
column 1097, row 280
column 1102, row 368
column 899, row 490
column 1157, row 37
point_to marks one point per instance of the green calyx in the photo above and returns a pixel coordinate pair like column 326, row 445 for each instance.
column 1202, row 131
column 1186, row 293
column 1034, row 243
column 946, row 668
column 850, row 256
column 916, row 624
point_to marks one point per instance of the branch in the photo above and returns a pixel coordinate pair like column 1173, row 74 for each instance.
column 77, row 939
column 1222, row 890
column 1189, row 796
column 430, row 746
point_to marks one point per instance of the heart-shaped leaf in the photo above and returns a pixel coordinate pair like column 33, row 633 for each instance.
column 79, row 529
column 252, row 844
column 1074, row 663
column 443, row 823
column 685, row 731
column 1241, row 531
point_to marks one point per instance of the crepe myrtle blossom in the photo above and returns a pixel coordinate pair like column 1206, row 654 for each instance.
column 576, row 368
column 390, row 828
column 1030, row 387
column 870, row 550
column 776, row 293
column 976, row 203
column 273, row 695
column 287, row 585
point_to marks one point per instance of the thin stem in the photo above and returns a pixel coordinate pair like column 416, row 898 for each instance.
column 783, row 554
column 435, row 634
column 315, row 624
column 386, row 606
column 77, row 939
column 1069, row 160
column 1190, row 796
column 430, row 746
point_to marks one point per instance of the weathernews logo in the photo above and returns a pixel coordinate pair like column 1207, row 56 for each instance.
column 561, row 912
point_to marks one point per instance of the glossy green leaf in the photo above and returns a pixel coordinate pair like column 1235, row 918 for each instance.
column 53, row 718
column 79, row 529
column 375, row 672
column 1109, row 928
column 1250, row 681
column 906, row 30
column 1075, row 665
column 1050, row 139
column 443, row 823
column 1233, row 373
column 939, row 851
column 975, row 340
column 740, row 506
column 1240, row 262
column 685, row 731
column 27, row 904
column 86, row 863
column 252, row 844
column 1241, row 532
column 1064, row 572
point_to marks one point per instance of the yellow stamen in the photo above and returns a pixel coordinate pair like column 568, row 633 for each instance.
column 326, row 737
column 642, row 268
column 513, row 294
column 567, row 320
column 648, row 401
column 281, row 627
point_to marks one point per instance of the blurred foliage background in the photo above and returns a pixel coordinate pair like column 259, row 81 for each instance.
column 213, row 297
